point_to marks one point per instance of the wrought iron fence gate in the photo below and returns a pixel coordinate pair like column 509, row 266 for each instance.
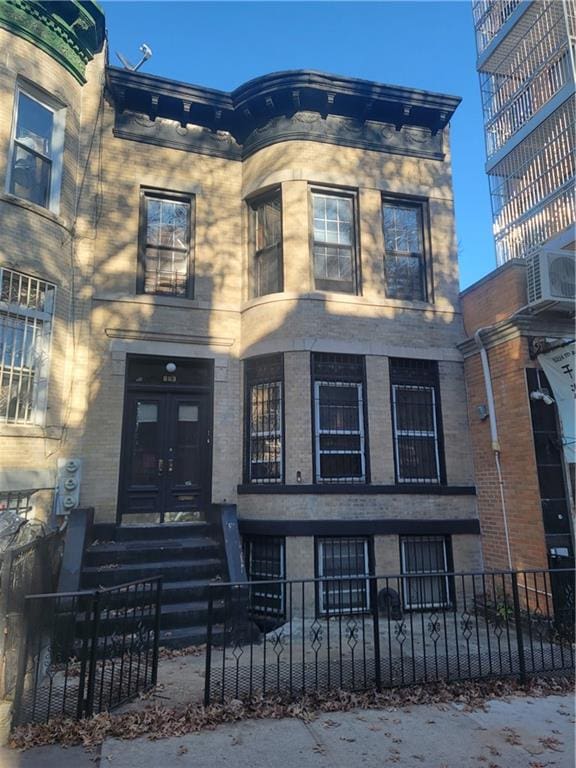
column 87, row 652
column 373, row 632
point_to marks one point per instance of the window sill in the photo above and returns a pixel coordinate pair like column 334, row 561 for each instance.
column 46, row 213
column 356, row 488
column 30, row 430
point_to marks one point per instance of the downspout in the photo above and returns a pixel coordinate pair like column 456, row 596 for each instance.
column 494, row 434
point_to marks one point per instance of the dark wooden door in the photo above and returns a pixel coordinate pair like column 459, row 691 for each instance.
column 165, row 473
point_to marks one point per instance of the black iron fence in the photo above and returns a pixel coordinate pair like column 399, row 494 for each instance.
column 360, row 633
column 87, row 652
column 24, row 570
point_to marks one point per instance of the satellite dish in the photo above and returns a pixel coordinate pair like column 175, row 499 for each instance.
column 146, row 54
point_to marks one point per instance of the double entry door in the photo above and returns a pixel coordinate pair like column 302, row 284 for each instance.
column 166, row 458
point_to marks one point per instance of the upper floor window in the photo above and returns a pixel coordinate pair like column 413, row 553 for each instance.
column 334, row 242
column 166, row 263
column 339, row 418
column 416, row 421
column 37, row 145
column 26, row 310
column 266, row 225
column 264, row 383
column 404, row 257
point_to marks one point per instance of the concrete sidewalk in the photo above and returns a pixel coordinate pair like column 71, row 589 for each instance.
column 522, row 732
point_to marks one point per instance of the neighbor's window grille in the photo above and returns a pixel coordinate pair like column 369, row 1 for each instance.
column 267, row 238
column 19, row 502
column 334, row 242
column 26, row 310
column 339, row 419
column 343, row 567
column 415, row 417
column 404, row 257
column 166, row 259
column 265, row 561
column 38, row 141
column 264, row 385
column 426, row 555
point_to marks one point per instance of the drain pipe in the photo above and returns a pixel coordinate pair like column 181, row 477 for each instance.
column 494, row 434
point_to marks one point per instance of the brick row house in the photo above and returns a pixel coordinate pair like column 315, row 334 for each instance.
column 246, row 299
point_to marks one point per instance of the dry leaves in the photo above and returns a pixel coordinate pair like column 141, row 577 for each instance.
column 159, row 722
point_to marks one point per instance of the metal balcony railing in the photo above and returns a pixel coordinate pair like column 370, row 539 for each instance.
column 515, row 86
column 536, row 169
column 522, row 237
column 489, row 16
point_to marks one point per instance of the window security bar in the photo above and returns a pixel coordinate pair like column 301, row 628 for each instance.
column 415, row 434
column 26, row 310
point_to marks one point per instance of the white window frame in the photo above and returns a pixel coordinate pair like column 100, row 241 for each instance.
column 345, row 577
column 359, row 432
column 57, row 143
column 277, row 434
column 260, row 610
column 415, row 433
column 41, row 352
column 405, row 590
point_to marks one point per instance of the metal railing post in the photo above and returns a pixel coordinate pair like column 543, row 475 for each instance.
column 376, row 630
column 209, row 647
column 157, row 617
column 89, row 706
column 518, row 623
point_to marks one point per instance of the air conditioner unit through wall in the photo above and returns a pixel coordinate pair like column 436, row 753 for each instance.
column 551, row 277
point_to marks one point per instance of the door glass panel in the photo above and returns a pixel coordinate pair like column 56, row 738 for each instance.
column 146, row 413
column 186, row 449
column 187, row 413
column 145, row 444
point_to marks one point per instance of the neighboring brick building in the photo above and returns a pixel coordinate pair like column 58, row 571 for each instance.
column 263, row 288
column 525, row 307
column 535, row 485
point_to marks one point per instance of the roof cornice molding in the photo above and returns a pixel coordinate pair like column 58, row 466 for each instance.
column 70, row 32
column 299, row 105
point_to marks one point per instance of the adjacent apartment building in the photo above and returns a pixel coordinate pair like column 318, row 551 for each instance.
column 520, row 317
column 246, row 298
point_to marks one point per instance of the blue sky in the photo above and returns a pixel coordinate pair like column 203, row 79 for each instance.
column 425, row 44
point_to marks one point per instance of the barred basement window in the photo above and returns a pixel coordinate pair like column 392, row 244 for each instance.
column 334, row 242
column 339, row 418
column 267, row 244
column 26, row 310
column 416, row 421
column 344, row 564
column 19, row 502
column 264, row 557
column 166, row 264
column 427, row 555
column 404, row 257
column 264, row 384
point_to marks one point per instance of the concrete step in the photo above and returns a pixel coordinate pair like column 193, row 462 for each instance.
column 172, row 570
column 148, row 551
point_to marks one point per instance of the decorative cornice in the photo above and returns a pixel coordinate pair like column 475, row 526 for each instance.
column 170, row 133
column 300, row 105
column 415, row 141
column 70, row 32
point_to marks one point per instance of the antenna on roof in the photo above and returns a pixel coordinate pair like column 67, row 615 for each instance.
column 146, row 54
